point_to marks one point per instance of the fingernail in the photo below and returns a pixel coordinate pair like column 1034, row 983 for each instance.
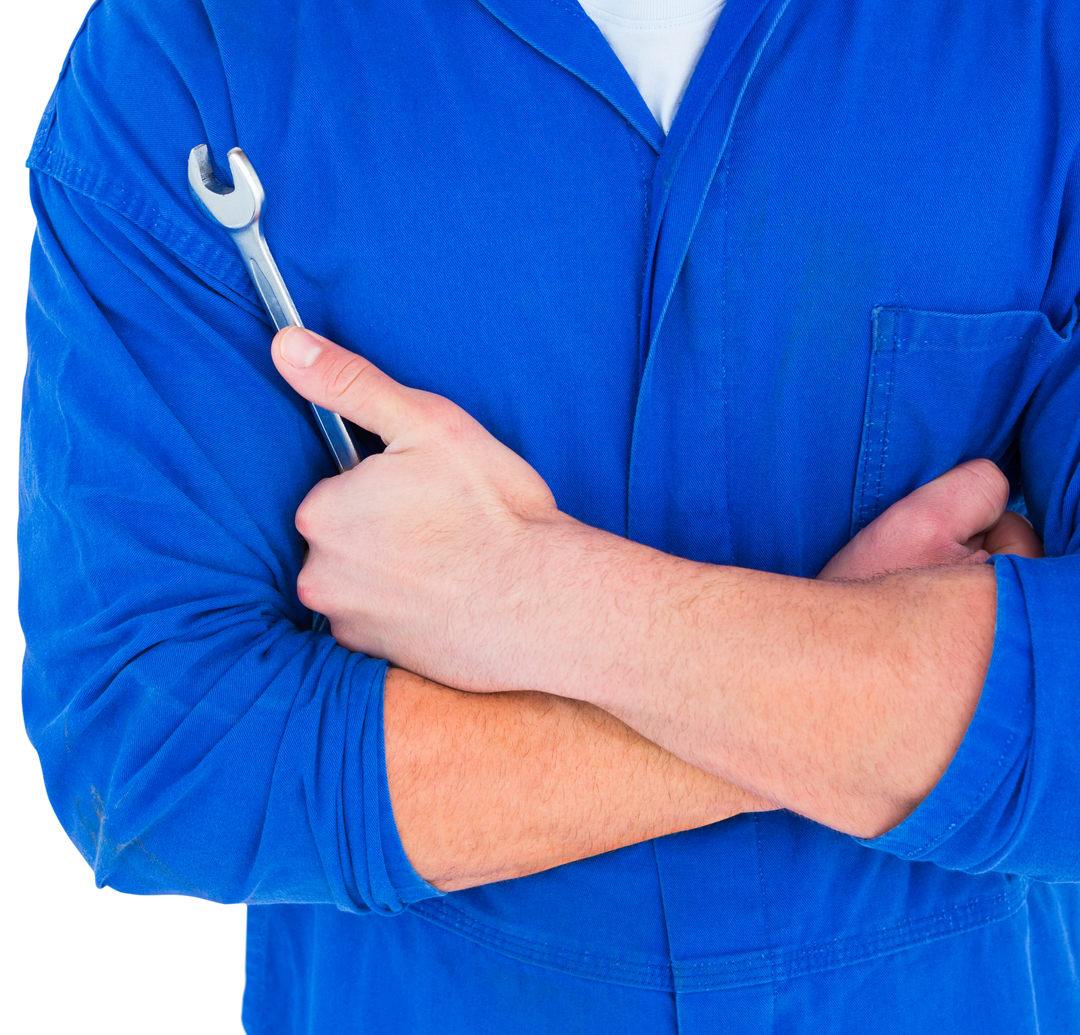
column 298, row 348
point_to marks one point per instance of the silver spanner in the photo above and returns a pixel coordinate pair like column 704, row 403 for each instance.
column 238, row 209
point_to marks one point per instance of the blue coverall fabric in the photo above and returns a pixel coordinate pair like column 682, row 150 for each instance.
column 852, row 264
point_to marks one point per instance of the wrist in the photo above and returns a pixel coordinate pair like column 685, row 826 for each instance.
column 601, row 612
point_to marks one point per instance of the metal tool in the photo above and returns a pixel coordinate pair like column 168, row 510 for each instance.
column 238, row 209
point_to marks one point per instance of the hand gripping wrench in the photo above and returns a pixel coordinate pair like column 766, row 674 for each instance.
column 238, row 209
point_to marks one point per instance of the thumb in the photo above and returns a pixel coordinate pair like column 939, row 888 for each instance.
column 962, row 502
column 939, row 523
column 344, row 383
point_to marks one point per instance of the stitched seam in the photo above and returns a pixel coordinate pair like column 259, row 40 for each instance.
column 982, row 341
column 765, row 923
column 834, row 955
column 932, row 921
column 646, row 216
column 644, row 296
column 885, row 423
column 194, row 249
column 729, row 523
column 753, row 968
column 868, row 425
column 965, row 317
column 439, row 913
column 976, row 803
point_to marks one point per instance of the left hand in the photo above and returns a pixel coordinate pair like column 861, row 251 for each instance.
column 957, row 518
column 413, row 551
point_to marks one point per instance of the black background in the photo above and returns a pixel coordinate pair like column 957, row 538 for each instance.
column 85, row 957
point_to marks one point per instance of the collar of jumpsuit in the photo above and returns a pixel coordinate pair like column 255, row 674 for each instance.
column 659, row 43
column 736, row 344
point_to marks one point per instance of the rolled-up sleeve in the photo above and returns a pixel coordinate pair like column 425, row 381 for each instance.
column 195, row 735
column 1010, row 799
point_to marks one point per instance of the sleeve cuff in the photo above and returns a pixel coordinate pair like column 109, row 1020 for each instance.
column 373, row 871
column 995, row 742
column 409, row 885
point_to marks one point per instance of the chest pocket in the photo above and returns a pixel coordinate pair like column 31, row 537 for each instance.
column 944, row 388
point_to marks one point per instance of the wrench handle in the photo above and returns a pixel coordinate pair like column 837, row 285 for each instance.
column 279, row 305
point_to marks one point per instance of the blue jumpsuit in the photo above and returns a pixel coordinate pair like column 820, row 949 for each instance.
column 852, row 264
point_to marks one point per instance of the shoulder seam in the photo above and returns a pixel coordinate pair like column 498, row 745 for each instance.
column 197, row 250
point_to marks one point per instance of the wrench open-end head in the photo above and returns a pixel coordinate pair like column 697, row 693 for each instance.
column 237, row 209
column 233, row 207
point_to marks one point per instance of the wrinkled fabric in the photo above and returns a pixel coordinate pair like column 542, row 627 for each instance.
column 852, row 264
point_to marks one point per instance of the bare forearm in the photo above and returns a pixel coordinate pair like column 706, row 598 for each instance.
column 489, row 787
column 842, row 701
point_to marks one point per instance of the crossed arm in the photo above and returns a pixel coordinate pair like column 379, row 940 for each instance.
column 843, row 698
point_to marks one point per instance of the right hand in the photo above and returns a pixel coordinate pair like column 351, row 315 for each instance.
column 959, row 517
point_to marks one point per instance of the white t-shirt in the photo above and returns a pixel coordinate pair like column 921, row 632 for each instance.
column 658, row 42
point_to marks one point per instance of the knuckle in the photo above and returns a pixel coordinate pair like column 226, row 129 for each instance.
column 456, row 425
column 434, row 409
column 306, row 520
column 309, row 515
column 308, row 590
column 931, row 527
